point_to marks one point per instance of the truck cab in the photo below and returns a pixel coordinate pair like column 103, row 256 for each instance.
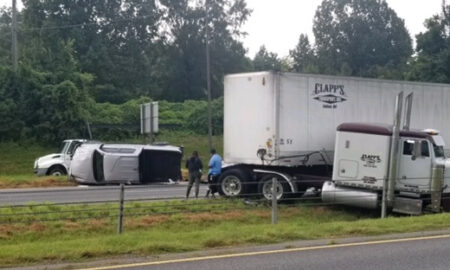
column 362, row 162
column 57, row 163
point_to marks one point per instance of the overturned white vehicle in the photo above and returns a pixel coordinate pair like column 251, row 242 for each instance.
column 126, row 163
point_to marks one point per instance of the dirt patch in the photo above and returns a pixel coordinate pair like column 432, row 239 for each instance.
column 146, row 221
column 37, row 227
column 262, row 213
column 7, row 231
column 71, row 225
column 201, row 217
column 38, row 182
column 96, row 224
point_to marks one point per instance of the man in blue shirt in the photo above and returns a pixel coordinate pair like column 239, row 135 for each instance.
column 215, row 167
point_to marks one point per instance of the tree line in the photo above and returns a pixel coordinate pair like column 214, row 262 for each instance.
column 88, row 60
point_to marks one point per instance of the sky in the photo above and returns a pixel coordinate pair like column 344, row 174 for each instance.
column 277, row 24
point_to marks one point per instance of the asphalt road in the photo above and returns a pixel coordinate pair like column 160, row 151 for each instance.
column 409, row 255
column 94, row 193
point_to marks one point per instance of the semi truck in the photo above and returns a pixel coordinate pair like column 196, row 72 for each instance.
column 287, row 126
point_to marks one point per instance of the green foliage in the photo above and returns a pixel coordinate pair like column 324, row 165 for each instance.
column 265, row 60
column 432, row 62
column 356, row 37
column 123, row 44
column 303, row 56
column 197, row 120
column 91, row 61
column 189, row 116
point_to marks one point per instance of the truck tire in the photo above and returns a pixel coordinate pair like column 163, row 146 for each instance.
column 234, row 182
column 56, row 171
column 265, row 188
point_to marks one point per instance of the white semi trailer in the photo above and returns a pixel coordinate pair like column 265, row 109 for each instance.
column 284, row 125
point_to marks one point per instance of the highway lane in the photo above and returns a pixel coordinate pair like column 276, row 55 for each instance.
column 93, row 193
column 418, row 253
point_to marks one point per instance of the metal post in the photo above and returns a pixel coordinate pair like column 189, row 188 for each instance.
column 121, row 198
column 88, row 126
column 274, row 201
column 14, row 35
column 143, row 123
column 151, row 122
column 208, row 77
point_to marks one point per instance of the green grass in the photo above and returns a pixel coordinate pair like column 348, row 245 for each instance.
column 195, row 225
column 18, row 159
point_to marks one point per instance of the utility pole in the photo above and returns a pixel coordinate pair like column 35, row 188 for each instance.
column 14, row 35
column 208, row 79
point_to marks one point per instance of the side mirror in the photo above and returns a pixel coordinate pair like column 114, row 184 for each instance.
column 417, row 151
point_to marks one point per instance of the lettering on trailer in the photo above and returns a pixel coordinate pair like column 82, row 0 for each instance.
column 329, row 94
column 370, row 160
column 369, row 180
column 286, row 141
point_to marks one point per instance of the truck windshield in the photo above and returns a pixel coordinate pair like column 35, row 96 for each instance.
column 438, row 151
column 63, row 147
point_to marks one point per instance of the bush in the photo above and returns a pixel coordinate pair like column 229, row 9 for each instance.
column 120, row 121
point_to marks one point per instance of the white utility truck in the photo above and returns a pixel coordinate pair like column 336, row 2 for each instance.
column 57, row 163
column 283, row 125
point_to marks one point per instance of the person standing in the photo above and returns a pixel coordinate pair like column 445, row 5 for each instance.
column 194, row 166
column 215, row 168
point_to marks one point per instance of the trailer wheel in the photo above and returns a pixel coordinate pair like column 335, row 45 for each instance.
column 265, row 188
column 233, row 183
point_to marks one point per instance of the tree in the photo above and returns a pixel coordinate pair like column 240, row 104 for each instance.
column 112, row 39
column 265, row 60
column 354, row 37
column 185, row 46
column 303, row 57
column 432, row 62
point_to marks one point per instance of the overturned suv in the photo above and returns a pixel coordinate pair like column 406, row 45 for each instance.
column 125, row 163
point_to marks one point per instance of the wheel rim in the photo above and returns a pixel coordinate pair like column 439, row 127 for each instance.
column 231, row 186
column 267, row 190
column 57, row 173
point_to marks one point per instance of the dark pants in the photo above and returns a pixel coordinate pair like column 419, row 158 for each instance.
column 213, row 184
column 193, row 177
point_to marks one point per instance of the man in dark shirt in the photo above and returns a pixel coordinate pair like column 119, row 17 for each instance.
column 194, row 165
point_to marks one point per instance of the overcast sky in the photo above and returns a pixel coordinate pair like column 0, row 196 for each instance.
column 277, row 24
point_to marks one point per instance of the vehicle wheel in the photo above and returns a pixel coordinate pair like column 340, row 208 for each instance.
column 265, row 188
column 233, row 182
column 57, row 171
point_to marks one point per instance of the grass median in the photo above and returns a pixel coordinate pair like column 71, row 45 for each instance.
column 78, row 232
